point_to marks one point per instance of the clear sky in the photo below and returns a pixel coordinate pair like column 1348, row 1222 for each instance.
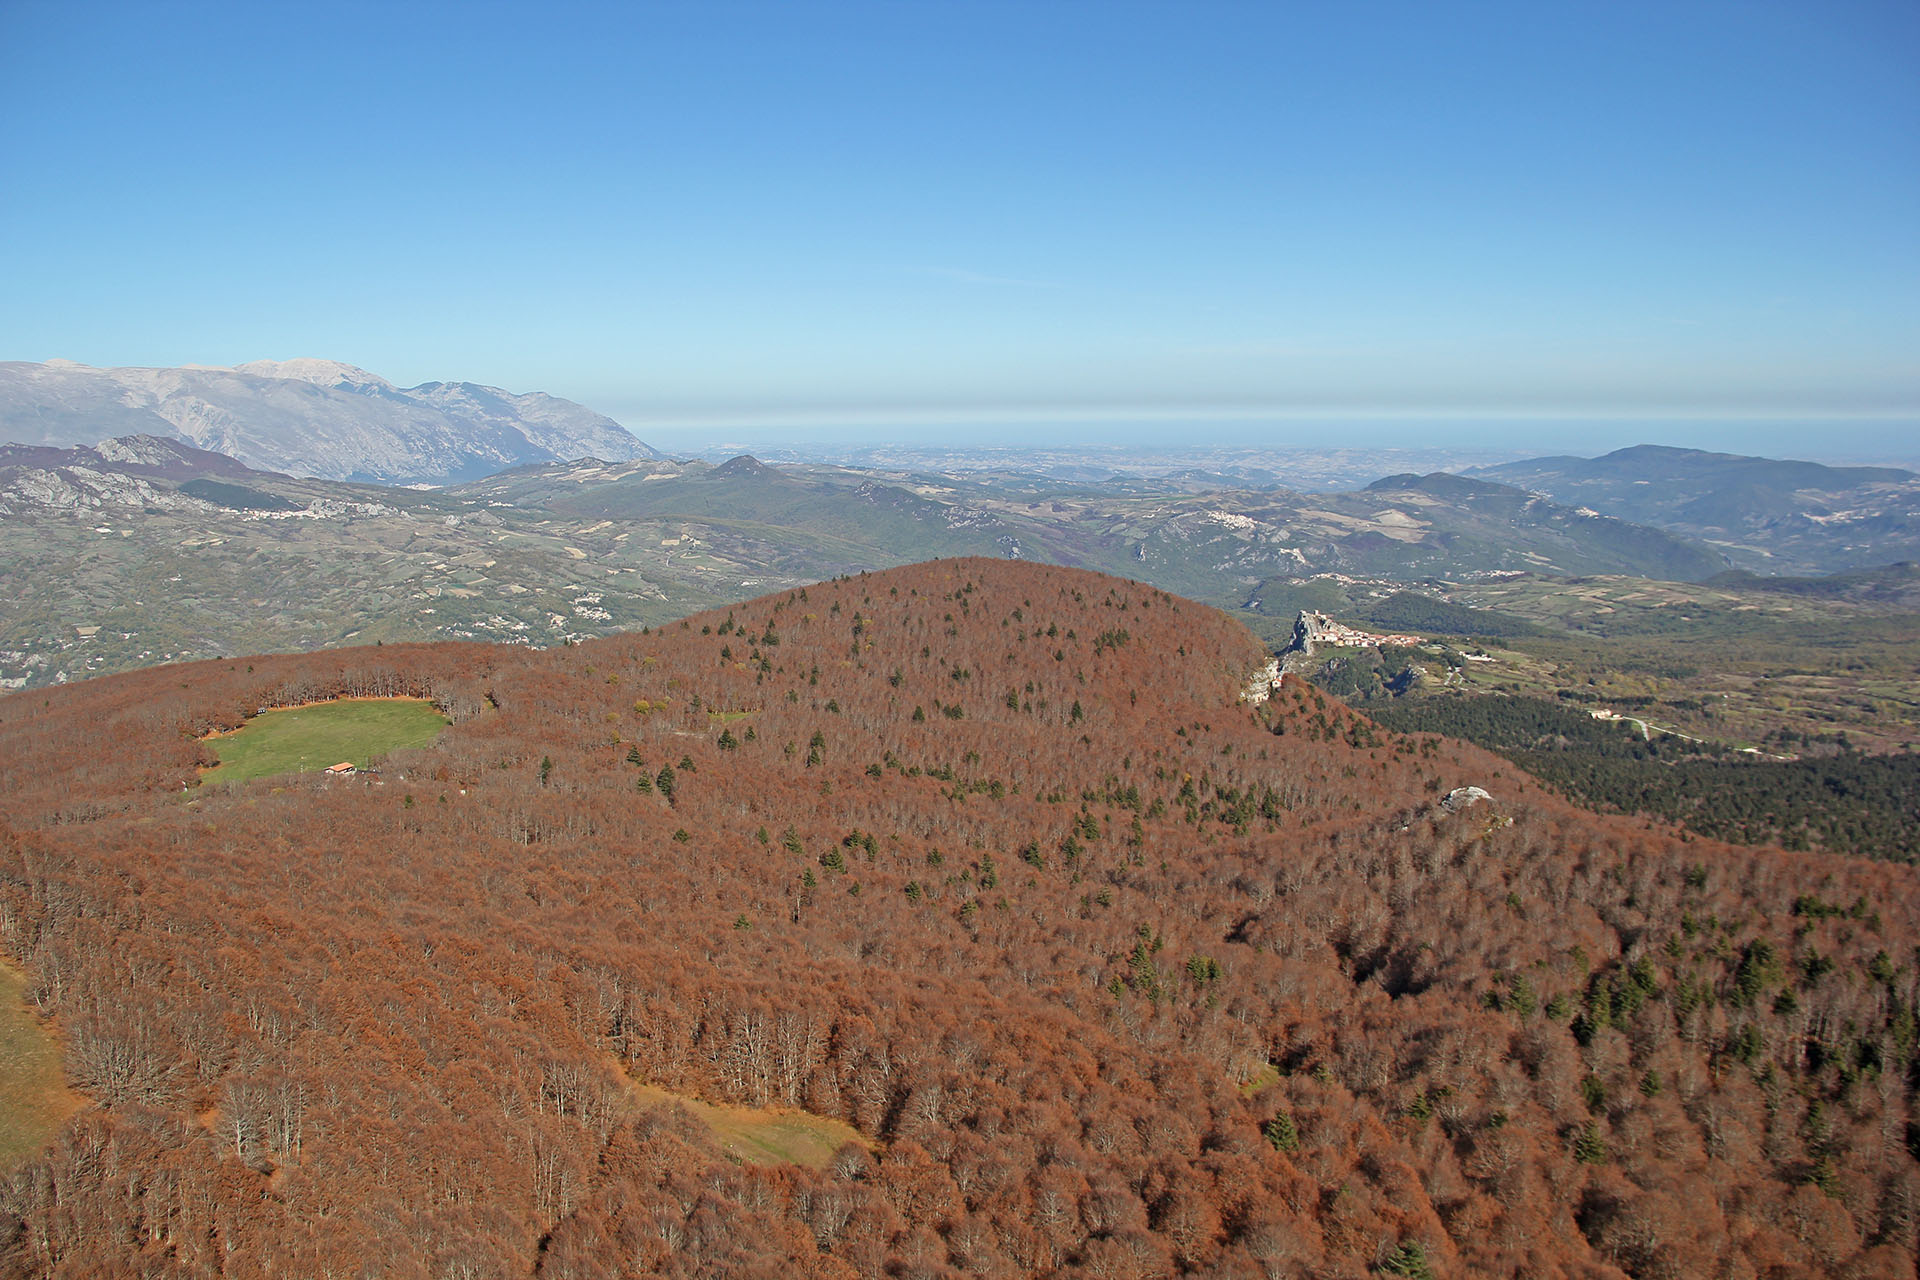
column 733, row 219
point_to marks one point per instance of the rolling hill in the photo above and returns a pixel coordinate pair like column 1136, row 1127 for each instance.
column 147, row 549
column 1768, row 515
column 1206, row 544
column 1108, row 970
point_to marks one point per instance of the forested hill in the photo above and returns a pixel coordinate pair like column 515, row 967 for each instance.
column 1114, row 973
column 1768, row 514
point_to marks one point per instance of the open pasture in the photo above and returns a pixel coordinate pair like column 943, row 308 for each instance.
column 311, row 738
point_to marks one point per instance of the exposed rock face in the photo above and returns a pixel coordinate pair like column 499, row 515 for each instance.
column 1260, row 685
column 77, row 488
column 145, row 473
column 316, row 418
column 119, row 473
column 1311, row 629
column 1464, row 798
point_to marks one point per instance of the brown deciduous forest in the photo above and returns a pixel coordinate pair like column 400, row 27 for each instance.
column 1117, row 974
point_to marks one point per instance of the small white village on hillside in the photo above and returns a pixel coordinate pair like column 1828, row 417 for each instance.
column 1312, row 629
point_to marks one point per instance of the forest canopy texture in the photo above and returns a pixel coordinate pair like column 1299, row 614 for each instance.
column 1115, row 973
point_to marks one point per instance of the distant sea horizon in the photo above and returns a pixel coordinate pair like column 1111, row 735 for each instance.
column 1487, row 440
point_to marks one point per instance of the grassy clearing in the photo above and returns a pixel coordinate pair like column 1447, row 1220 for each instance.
column 306, row 739
column 762, row 1135
column 1266, row 1077
column 34, row 1098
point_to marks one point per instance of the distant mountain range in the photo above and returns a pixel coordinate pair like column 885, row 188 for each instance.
column 315, row 418
column 146, row 549
column 1678, row 514
column 1204, row 544
column 1766, row 515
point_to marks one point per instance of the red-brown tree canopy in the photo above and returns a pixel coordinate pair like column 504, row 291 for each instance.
column 1118, row 974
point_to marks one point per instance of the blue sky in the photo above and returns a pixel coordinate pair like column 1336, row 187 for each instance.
column 1204, row 220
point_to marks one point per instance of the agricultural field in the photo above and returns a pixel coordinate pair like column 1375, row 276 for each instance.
column 308, row 739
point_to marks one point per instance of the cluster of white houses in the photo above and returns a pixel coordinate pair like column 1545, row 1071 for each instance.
column 1311, row 629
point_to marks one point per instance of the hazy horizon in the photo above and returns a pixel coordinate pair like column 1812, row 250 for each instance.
column 1478, row 437
column 1882, row 444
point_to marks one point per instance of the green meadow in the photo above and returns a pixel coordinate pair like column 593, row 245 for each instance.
column 311, row 738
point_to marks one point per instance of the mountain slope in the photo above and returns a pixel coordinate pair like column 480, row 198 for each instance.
column 145, row 473
column 1769, row 515
column 147, row 549
column 1206, row 544
column 316, row 418
column 1113, row 973
column 1560, row 538
column 1697, row 467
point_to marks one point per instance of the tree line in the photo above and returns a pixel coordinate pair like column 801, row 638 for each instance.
column 1844, row 801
